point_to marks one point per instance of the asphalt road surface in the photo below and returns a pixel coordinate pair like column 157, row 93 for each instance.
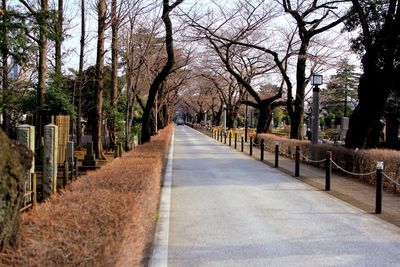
column 227, row 209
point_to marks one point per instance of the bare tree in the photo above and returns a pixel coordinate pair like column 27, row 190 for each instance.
column 229, row 90
column 163, row 74
column 312, row 18
column 231, row 35
column 119, row 13
column 137, row 41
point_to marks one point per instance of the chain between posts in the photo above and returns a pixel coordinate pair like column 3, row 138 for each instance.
column 351, row 173
column 254, row 143
column 390, row 179
column 310, row 160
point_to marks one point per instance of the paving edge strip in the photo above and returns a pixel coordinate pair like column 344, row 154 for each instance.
column 159, row 256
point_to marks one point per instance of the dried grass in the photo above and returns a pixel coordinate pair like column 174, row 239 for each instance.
column 362, row 161
column 106, row 218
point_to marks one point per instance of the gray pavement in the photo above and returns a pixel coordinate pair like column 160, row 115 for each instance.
column 227, row 209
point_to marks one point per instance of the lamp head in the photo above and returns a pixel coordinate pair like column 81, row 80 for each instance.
column 316, row 79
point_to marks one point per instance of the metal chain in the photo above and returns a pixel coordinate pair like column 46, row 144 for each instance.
column 312, row 161
column 392, row 180
column 254, row 143
column 268, row 147
column 351, row 173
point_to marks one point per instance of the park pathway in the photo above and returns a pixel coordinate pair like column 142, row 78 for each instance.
column 227, row 209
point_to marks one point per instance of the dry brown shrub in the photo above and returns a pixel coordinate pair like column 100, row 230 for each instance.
column 361, row 161
column 106, row 218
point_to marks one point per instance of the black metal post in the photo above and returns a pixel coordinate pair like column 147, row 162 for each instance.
column 230, row 139
column 328, row 167
column 276, row 156
column 221, row 135
column 225, row 138
column 241, row 148
column 297, row 162
column 379, row 189
column 262, row 150
column 251, row 145
column 235, row 141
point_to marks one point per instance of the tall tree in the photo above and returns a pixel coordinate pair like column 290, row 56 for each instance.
column 114, row 67
column 120, row 11
column 379, row 42
column 163, row 74
column 101, row 23
column 41, row 16
column 80, row 78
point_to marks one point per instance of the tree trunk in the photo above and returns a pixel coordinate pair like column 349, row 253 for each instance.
column 370, row 107
column 42, row 73
column 163, row 116
column 296, row 121
column 217, row 116
column 129, row 108
column 153, row 122
column 80, row 76
column 114, row 69
column 377, row 80
column 58, row 41
column 392, row 131
column 4, row 52
column 97, row 137
column 263, row 119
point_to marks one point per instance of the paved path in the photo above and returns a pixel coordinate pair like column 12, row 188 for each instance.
column 227, row 209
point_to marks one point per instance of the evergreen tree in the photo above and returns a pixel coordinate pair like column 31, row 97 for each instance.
column 340, row 97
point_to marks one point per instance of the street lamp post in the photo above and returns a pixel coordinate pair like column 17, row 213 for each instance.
column 224, row 108
column 316, row 80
